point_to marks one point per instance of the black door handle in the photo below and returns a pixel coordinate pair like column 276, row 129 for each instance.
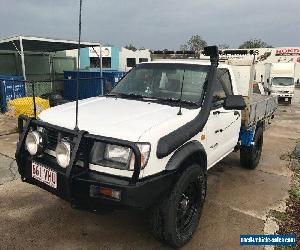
column 216, row 112
column 219, row 131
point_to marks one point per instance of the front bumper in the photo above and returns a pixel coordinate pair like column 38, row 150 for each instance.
column 74, row 183
column 282, row 95
column 144, row 193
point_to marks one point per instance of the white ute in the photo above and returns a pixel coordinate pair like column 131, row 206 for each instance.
column 149, row 143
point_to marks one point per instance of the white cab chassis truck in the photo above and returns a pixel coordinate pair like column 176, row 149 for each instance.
column 148, row 144
column 280, row 80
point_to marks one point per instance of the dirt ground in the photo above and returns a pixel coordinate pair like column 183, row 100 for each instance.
column 238, row 202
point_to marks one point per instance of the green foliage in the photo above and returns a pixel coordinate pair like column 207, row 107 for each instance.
column 289, row 222
column 223, row 46
column 131, row 47
column 254, row 43
column 279, row 216
column 184, row 47
column 195, row 43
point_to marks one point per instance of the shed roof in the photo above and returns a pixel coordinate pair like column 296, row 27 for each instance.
column 39, row 44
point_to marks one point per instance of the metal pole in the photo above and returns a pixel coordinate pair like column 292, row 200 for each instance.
column 24, row 75
column 101, row 74
column 33, row 97
column 22, row 61
column 252, row 74
column 22, row 58
column 78, row 65
column 51, row 71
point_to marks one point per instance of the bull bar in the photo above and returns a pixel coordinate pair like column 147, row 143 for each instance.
column 26, row 123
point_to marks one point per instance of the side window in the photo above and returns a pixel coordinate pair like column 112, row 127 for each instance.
column 224, row 77
column 223, row 88
column 141, row 60
column 131, row 62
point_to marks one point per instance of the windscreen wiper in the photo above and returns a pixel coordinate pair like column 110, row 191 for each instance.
column 174, row 100
column 111, row 95
column 126, row 95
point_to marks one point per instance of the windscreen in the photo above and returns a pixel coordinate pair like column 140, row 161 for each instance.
column 164, row 81
column 283, row 81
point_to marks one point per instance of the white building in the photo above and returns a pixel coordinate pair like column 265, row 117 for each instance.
column 113, row 58
column 267, row 55
column 129, row 58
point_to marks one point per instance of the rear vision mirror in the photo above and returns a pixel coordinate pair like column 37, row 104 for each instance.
column 234, row 102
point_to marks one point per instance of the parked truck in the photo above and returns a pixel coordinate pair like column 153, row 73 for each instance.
column 280, row 80
column 148, row 144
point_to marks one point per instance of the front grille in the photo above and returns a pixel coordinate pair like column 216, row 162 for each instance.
column 83, row 150
column 53, row 137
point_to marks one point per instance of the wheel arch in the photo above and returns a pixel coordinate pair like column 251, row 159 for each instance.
column 192, row 151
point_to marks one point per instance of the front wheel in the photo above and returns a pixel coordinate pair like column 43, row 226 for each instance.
column 250, row 155
column 175, row 220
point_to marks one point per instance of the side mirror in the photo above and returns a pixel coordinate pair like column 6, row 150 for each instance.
column 268, row 80
column 234, row 102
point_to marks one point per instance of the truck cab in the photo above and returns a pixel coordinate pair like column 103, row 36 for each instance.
column 280, row 79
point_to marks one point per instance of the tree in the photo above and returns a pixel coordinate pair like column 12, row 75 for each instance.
column 254, row 43
column 131, row 47
column 195, row 43
column 184, row 47
column 223, row 46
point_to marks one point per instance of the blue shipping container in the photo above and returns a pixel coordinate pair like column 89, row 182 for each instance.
column 89, row 83
column 11, row 87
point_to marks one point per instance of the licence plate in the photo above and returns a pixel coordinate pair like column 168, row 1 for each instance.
column 44, row 174
column 286, row 99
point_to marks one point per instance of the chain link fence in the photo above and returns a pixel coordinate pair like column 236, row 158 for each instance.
column 32, row 97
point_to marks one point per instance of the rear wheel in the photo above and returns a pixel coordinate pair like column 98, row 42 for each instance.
column 250, row 155
column 175, row 220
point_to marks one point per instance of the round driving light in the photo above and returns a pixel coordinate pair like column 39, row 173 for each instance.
column 33, row 142
column 63, row 154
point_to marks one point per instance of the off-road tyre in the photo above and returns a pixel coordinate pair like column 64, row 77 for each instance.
column 250, row 155
column 186, row 199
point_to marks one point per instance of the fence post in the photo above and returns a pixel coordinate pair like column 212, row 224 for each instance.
column 33, row 97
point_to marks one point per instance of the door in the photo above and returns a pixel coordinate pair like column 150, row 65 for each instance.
column 222, row 128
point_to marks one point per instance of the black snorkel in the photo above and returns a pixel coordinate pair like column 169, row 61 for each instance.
column 178, row 137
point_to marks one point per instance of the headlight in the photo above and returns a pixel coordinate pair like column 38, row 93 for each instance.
column 125, row 155
column 34, row 142
column 145, row 153
column 63, row 153
column 117, row 153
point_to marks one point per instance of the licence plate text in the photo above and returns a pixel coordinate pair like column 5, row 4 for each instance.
column 43, row 174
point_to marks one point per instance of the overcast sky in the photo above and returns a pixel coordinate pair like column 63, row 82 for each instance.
column 155, row 24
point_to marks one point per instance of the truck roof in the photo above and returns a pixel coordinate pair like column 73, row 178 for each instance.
column 188, row 61
column 281, row 68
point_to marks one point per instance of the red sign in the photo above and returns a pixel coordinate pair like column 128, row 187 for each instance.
column 288, row 51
